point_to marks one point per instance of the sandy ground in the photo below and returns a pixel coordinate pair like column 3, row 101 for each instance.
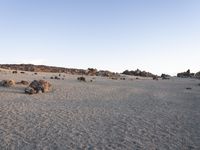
column 103, row 114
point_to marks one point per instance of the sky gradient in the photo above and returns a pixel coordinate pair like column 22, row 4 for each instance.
column 160, row 36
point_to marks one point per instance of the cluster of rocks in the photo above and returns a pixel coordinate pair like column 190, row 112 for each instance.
column 7, row 83
column 37, row 86
column 138, row 73
column 186, row 74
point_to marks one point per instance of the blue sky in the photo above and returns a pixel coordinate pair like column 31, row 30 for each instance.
column 160, row 36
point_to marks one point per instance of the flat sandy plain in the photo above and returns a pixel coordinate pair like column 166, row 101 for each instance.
column 103, row 114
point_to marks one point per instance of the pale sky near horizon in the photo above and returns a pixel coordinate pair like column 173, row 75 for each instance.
column 159, row 36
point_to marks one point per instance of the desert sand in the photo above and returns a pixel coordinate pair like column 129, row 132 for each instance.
column 103, row 114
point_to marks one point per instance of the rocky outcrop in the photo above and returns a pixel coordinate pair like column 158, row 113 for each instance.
column 186, row 74
column 38, row 86
column 7, row 83
column 138, row 73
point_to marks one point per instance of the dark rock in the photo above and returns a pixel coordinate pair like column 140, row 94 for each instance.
column 30, row 90
column 14, row 72
column 57, row 78
column 188, row 88
column 81, row 79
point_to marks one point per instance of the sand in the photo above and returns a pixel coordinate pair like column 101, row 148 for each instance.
column 103, row 114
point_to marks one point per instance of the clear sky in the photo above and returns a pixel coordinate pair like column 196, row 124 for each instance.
column 160, row 36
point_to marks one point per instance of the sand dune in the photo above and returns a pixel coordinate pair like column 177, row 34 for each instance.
column 103, row 114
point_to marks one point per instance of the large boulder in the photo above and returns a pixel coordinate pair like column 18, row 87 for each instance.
column 7, row 83
column 38, row 86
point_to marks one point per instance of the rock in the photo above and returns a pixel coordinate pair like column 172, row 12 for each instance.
column 38, row 86
column 57, row 78
column 30, row 90
column 14, row 72
column 7, row 83
column 114, row 78
column 23, row 82
column 81, row 79
column 188, row 88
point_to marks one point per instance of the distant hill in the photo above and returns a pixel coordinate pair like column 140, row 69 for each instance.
column 53, row 69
